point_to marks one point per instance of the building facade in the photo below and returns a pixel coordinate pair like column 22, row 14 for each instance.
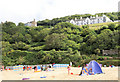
column 32, row 23
column 91, row 20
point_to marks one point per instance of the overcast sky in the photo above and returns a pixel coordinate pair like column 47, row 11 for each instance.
column 27, row 10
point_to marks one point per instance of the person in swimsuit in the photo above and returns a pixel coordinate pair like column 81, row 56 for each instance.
column 68, row 69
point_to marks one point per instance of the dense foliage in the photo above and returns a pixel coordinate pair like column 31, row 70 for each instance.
column 62, row 43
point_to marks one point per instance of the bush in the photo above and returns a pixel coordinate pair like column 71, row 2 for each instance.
column 110, row 62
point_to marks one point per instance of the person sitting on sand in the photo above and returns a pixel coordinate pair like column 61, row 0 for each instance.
column 82, row 69
column 41, row 68
column 90, row 72
column 35, row 68
column 49, row 66
column 2, row 68
column 27, row 68
column 68, row 69
column 46, row 68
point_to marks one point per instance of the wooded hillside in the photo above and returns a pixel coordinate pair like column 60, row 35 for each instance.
column 57, row 42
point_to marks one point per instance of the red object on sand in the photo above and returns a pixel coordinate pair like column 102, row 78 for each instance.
column 71, row 73
column 5, row 69
column 78, row 66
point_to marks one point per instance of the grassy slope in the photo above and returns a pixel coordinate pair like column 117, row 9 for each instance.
column 99, row 25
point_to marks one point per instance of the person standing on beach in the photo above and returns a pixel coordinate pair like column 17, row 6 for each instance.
column 71, row 64
column 53, row 64
column 23, row 68
column 68, row 69
column 2, row 68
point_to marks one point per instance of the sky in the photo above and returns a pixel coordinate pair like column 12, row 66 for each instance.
column 26, row 10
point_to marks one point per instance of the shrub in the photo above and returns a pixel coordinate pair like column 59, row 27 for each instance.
column 110, row 62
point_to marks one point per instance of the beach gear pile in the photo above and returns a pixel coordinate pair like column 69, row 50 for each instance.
column 25, row 78
column 92, row 69
column 43, row 76
column 111, row 66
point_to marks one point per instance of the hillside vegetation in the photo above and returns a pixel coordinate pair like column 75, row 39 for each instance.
column 99, row 25
column 59, row 43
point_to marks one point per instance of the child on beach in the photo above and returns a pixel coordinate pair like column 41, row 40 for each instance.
column 24, row 68
column 68, row 69
column 90, row 72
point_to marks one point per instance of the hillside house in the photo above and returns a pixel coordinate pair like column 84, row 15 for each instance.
column 32, row 23
column 91, row 20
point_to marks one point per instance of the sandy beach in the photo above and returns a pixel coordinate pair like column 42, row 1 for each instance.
column 60, row 74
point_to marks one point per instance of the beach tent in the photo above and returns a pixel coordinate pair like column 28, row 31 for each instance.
column 98, row 63
column 96, row 69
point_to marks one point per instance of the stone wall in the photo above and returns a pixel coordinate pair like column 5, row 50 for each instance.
column 110, row 52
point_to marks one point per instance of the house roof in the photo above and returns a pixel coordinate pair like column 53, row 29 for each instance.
column 93, row 18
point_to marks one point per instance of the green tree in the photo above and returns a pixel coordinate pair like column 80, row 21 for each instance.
column 55, row 41
column 70, row 50
column 21, row 24
column 7, row 26
column 111, row 26
column 97, row 51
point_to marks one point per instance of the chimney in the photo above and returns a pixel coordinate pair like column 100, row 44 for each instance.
column 75, row 18
column 80, row 17
column 34, row 20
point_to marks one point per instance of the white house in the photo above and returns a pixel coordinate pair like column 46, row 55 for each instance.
column 32, row 23
column 91, row 20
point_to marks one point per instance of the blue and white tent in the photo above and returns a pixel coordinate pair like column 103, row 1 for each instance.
column 95, row 68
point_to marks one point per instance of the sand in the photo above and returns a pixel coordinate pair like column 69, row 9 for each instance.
column 60, row 74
